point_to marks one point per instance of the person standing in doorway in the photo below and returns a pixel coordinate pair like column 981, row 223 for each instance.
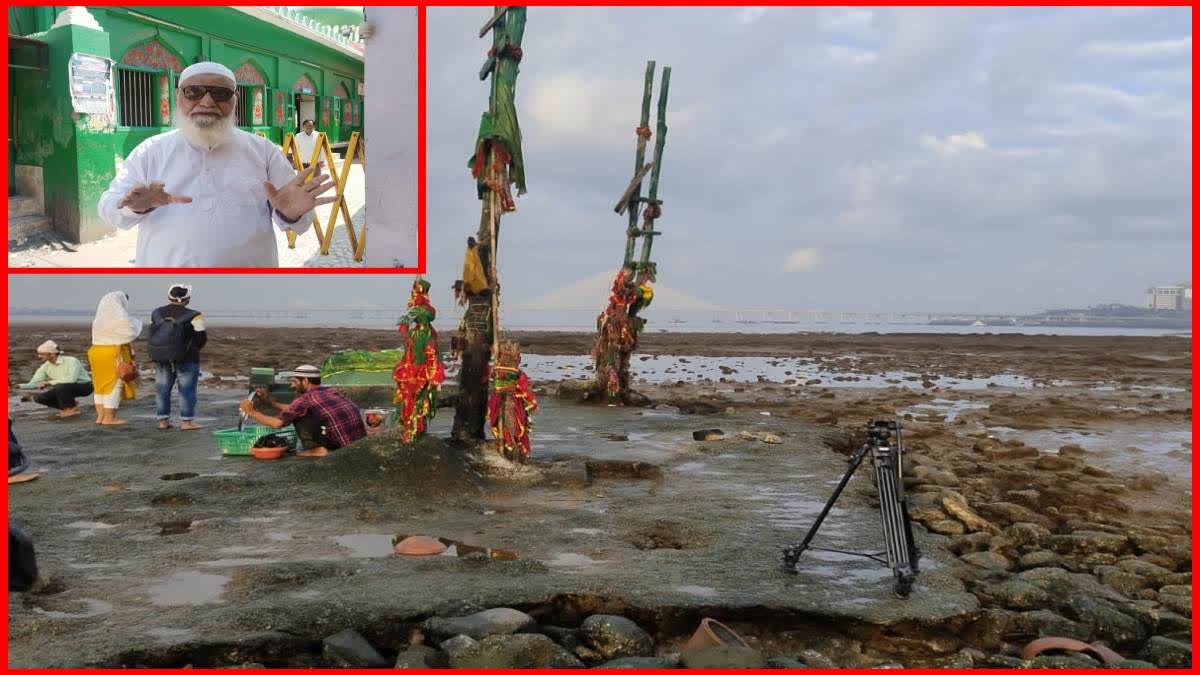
column 177, row 334
column 306, row 141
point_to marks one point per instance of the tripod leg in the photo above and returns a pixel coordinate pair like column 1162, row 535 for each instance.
column 791, row 554
column 897, row 531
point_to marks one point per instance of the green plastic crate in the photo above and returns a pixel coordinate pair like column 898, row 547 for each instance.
column 238, row 443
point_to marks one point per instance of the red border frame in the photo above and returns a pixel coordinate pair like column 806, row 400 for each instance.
column 421, row 215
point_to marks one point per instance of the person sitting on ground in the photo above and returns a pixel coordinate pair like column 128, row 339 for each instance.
column 177, row 334
column 113, row 333
column 324, row 419
column 61, row 379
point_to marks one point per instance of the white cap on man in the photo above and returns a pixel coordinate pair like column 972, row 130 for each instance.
column 207, row 68
column 179, row 292
column 48, row 347
column 305, row 371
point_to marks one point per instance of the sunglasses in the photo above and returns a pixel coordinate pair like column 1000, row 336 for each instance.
column 195, row 92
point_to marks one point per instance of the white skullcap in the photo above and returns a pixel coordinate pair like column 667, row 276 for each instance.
column 207, row 68
column 48, row 347
column 187, row 292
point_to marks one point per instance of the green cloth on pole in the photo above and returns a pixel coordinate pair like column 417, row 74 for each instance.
column 500, row 123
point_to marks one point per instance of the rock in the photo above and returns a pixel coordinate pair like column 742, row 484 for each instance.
column 975, row 541
column 615, row 637
column 1027, row 534
column 1149, row 482
column 1001, row 661
column 815, row 659
column 722, row 657
column 519, row 650
column 987, row 560
column 575, row 390
column 1097, row 472
column 925, row 507
column 456, row 608
column 1176, row 599
column 348, row 649
column 945, row 526
column 1083, row 542
column 1044, row 623
column 1055, row 463
column 569, row 638
column 1039, row 559
column 616, row 437
column 1178, row 579
column 784, row 663
column 641, row 662
column 1072, row 450
column 1123, row 582
column 1132, row 664
column 944, row 478
column 1155, row 575
column 1010, row 512
column 1062, row 661
column 1108, row 623
column 763, row 436
column 1013, row 594
column 708, row 435
column 421, row 657
column 495, row 621
column 989, row 628
column 956, row 505
column 1166, row 653
column 457, row 645
column 1029, row 498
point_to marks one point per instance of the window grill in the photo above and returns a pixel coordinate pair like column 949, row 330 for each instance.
column 245, row 106
column 137, row 100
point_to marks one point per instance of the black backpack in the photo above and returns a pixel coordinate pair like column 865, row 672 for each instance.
column 171, row 338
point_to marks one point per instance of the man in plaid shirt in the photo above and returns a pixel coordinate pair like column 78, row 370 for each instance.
column 324, row 419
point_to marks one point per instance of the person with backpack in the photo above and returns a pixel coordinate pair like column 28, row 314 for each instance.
column 177, row 334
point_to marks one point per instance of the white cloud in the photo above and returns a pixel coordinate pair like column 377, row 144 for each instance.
column 850, row 55
column 842, row 18
column 801, row 260
column 1141, row 49
column 748, row 15
column 955, row 143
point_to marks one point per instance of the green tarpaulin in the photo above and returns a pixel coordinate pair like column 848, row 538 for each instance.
column 361, row 368
column 500, row 124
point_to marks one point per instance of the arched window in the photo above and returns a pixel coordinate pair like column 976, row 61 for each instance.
column 251, row 89
column 145, row 77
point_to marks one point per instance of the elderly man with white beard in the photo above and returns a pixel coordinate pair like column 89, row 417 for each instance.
column 205, row 194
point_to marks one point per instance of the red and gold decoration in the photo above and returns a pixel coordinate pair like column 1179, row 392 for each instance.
column 152, row 54
column 511, row 404
column 618, row 327
column 420, row 373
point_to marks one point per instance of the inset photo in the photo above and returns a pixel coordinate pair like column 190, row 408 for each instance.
column 210, row 137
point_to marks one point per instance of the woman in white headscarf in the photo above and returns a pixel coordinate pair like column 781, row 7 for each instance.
column 113, row 333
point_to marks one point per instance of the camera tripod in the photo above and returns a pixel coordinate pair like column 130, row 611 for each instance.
column 885, row 447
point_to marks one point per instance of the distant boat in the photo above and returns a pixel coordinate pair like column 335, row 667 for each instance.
column 978, row 323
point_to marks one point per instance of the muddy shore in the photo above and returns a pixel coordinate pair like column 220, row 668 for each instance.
column 1041, row 469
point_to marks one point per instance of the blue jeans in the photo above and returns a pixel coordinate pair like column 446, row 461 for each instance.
column 165, row 376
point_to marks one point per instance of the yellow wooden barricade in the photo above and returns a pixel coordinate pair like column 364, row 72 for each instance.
column 358, row 240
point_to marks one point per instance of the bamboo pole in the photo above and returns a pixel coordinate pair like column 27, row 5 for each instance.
column 634, row 205
column 661, row 140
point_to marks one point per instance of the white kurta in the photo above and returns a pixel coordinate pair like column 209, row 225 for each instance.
column 305, row 144
column 229, row 221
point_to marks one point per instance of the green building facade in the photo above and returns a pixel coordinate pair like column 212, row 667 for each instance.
column 288, row 66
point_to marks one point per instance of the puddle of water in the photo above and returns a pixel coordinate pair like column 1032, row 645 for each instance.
column 88, row 529
column 238, row 562
column 689, row 466
column 698, row 591
column 305, row 595
column 89, row 566
column 258, row 519
column 183, row 475
column 941, row 406
column 279, row 536
column 93, row 608
column 1171, row 449
column 752, row 369
column 572, row 560
column 366, row 545
column 590, row 531
column 247, row 550
column 188, row 588
column 170, row 527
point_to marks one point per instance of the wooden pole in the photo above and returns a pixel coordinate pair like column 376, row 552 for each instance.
column 659, row 142
column 634, row 205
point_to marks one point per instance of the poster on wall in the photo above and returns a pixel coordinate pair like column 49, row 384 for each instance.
column 91, row 84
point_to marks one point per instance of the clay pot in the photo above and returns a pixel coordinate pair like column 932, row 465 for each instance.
column 713, row 633
column 268, row 453
column 419, row 545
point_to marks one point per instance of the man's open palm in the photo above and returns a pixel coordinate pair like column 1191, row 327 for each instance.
column 299, row 197
column 146, row 197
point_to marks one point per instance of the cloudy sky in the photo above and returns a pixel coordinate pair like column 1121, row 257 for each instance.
column 1004, row 159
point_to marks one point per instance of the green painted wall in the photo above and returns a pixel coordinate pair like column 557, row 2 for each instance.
column 79, row 157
